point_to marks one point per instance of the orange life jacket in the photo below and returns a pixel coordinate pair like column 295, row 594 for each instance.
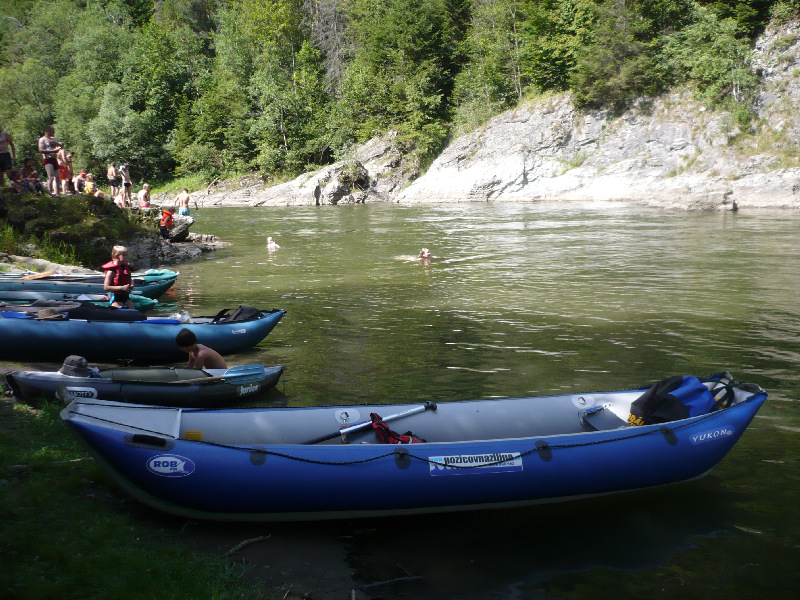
column 166, row 218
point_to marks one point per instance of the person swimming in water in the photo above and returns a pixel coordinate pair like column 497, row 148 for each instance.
column 272, row 245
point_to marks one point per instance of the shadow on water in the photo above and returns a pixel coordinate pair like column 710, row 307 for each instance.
column 515, row 553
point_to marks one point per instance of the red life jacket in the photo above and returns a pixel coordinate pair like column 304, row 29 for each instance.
column 122, row 272
column 387, row 436
column 166, row 218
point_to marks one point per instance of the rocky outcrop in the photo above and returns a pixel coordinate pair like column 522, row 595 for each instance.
column 375, row 173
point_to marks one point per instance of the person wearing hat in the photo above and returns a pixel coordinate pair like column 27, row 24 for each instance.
column 75, row 366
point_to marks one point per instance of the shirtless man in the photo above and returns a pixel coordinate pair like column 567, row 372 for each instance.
column 111, row 175
column 7, row 159
column 182, row 203
column 79, row 182
column 49, row 147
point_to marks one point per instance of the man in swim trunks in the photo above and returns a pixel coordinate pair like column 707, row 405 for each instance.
column 111, row 174
column 49, row 147
column 7, row 158
column 182, row 202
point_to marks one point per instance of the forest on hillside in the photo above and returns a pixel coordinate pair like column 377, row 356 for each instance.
column 222, row 87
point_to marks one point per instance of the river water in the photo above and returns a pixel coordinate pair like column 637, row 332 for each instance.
column 529, row 299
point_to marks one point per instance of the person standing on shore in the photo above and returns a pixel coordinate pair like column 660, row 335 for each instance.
column 65, row 173
column 182, row 202
column 49, row 147
column 111, row 175
column 127, row 184
column 7, row 159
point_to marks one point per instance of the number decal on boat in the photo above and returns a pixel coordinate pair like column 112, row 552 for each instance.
column 170, row 465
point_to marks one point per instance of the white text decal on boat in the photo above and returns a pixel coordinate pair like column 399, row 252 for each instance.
column 466, row 464
column 81, row 392
column 708, row 436
column 248, row 389
column 234, row 331
column 170, row 465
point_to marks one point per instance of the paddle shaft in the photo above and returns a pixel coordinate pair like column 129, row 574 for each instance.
column 39, row 275
column 239, row 374
column 200, row 379
column 366, row 424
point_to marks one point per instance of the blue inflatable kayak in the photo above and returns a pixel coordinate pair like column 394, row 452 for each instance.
column 330, row 461
column 104, row 334
column 151, row 284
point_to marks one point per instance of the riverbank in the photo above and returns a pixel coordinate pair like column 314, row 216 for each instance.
column 669, row 152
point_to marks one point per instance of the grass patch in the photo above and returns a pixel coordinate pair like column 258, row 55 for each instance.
column 174, row 186
column 66, row 534
column 72, row 230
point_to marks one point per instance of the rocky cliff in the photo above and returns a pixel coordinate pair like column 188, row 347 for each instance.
column 667, row 152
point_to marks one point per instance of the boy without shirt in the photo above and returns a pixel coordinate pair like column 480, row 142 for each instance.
column 200, row 356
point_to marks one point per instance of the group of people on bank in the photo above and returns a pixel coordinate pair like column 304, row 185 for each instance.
column 60, row 177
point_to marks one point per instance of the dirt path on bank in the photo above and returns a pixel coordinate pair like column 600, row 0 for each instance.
column 290, row 561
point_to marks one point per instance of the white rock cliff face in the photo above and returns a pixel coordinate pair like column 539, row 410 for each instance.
column 667, row 152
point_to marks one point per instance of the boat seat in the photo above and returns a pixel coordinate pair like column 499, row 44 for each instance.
column 601, row 418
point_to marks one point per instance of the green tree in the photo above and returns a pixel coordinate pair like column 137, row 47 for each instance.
column 616, row 65
column 405, row 55
column 713, row 54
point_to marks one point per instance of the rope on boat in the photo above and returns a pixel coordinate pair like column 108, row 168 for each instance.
column 541, row 445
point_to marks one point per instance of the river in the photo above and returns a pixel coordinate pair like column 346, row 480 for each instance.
column 529, row 299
